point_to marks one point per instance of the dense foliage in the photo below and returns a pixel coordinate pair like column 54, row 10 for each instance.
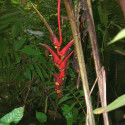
column 26, row 70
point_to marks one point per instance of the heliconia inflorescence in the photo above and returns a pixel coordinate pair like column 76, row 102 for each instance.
column 60, row 60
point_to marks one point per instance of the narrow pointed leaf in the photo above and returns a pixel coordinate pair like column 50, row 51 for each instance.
column 119, row 36
column 65, row 98
column 120, row 101
column 39, row 72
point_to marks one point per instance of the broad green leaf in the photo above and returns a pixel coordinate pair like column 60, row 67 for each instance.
column 30, row 51
column 14, row 116
column 119, row 102
column 67, row 113
column 19, row 43
column 3, row 123
column 119, row 36
column 41, row 117
column 68, row 108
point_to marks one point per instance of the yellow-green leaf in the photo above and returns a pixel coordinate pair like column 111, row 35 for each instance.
column 120, row 101
column 119, row 36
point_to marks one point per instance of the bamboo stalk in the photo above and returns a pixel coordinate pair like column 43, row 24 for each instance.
column 95, row 52
column 77, row 42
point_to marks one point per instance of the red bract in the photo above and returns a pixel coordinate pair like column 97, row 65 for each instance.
column 59, row 94
column 62, row 74
column 55, row 41
column 56, row 59
column 63, row 52
column 64, row 64
column 58, row 79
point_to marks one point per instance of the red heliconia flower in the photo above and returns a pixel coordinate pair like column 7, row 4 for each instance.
column 58, row 86
column 63, row 52
column 64, row 64
column 56, row 59
column 62, row 74
column 62, row 61
column 58, row 79
column 59, row 95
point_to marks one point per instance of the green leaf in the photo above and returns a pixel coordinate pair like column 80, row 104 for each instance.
column 20, row 43
column 3, row 47
column 3, row 123
column 50, row 87
column 39, row 72
column 8, row 60
column 120, row 101
column 103, row 15
column 3, row 27
column 17, row 59
column 119, row 36
column 65, row 98
column 75, row 112
column 46, row 83
column 16, row 29
column 67, row 108
column 68, row 113
column 80, row 92
column 54, row 92
column 27, row 73
column 14, row 116
column 30, row 51
column 8, row 15
column 41, row 117
column 46, row 75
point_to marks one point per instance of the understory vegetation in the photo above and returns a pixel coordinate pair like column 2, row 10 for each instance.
column 27, row 86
